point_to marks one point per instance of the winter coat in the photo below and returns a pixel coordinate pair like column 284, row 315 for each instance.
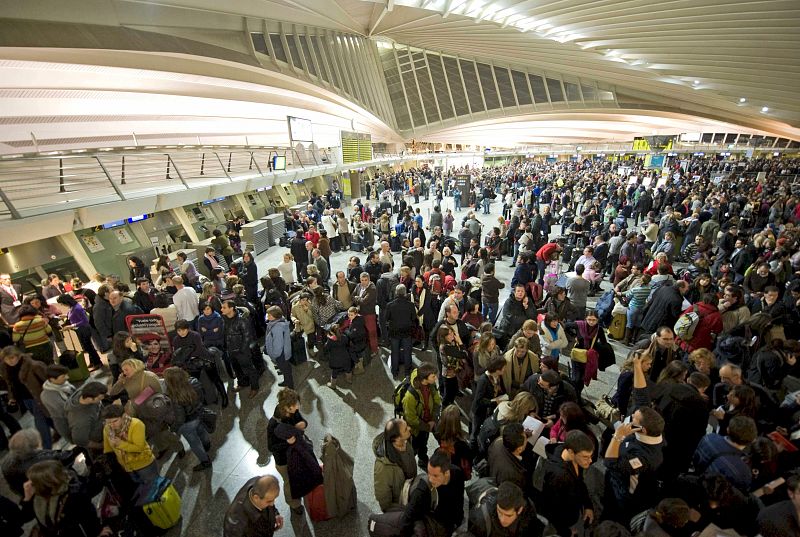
column 527, row 524
column 707, row 329
column 356, row 332
column 337, row 474
column 277, row 444
column 337, row 353
column 389, row 476
column 564, row 393
column 567, row 494
column 514, row 314
column 548, row 343
column 189, row 412
column 54, row 398
column 238, row 338
column 102, row 313
column 134, row 453
column 212, row 329
column 365, row 299
column 401, row 317
column 413, row 406
column 664, row 309
column 527, row 367
column 118, row 316
column 303, row 468
column 278, row 343
column 85, row 425
column 32, row 375
column 504, row 466
column 243, row 519
column 136, row 384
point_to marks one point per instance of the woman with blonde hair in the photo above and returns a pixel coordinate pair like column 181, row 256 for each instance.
column 286, row 268
column 134, row 380
column 703, row 361
column 486, row 352
column 514, row 411
column 208, row 296
column 521, row 363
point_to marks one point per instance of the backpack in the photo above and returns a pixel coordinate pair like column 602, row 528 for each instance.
column 411, row 484
column 399, row 394
column 436, row 285
column 686, row 325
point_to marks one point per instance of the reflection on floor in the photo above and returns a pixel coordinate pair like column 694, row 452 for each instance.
column 353, row 413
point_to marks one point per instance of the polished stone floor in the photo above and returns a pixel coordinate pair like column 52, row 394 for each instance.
column 354, row 414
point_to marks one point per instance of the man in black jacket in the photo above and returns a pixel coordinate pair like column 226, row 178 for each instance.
column 238, row 341
column 401, row 316
column 436, row 501
column 145, row 296
column 121, row 307
column 298, row 249
column 507, row 513
column 550, row 393
column 665, row 307
column 452, row 317
column 252, row 512
column 566, row 502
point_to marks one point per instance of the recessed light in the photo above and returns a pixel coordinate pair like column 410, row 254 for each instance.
column 696, row 82
column 742, row 100
column 765, row 109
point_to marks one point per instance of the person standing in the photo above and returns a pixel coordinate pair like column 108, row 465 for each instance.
column 25, row 377
column 278, row 344
column 249, row 277
column 238, row 340
column 490, row 293
column 365, row 297
column 287, row 412
column 223, row 246
column 124, row 436
column 186, row 302
column 78, row 321
column 401, row 318
column 252, row 512
column 186, row 396
column 567, row 504
column 421, row 406
column 10, row 299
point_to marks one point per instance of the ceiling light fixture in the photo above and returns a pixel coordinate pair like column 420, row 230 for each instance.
column 742, row 100
column 696, row 82
column 765, row 109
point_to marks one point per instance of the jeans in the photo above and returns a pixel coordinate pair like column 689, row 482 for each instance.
column 516, row 253
column 197, row 436
column 401, row 354
column 146, row 475
column 41, row 422
column 485, row 205
column 457, row 203
column 542, row 266
column 490, row 311
column 635, row 316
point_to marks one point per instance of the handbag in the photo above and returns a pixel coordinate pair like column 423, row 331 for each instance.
column 582, row 355
column 144, row 395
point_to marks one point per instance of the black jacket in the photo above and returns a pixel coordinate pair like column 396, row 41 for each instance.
column 238, row 337
column 514, row 314
column 278, row 446
column 449, row 511
column 401, row 317
column 566, row 492
column 527, row 523
column 564, row 394
column 664, row 309
column 144, row 301
column 243, row 519
column 126, row 307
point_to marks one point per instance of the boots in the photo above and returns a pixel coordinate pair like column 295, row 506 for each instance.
column 223, row 393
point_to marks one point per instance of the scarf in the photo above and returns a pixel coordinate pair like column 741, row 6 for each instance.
column 48, row 510
column 213, row 261
column 554, row 336
column 586, row 332
column 122, row 434
column 404, row 459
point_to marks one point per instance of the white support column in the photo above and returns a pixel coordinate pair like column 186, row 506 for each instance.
column 245, row 204
column 72, row 244
column 180, row 216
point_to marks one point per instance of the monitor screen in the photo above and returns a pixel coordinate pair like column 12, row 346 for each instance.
column 278, row 163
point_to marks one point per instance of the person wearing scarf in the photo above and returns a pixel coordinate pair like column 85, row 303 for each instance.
column 58, row 507
column 124, row 436
column 581, row 374
column 394, row 463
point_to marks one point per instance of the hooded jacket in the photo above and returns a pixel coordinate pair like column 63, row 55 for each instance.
column 413, row 406
column 710, row 325
column 567, row 494
column 85, row 425
column 388, row 476
column 54, row 398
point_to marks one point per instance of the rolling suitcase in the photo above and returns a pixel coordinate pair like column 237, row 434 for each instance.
column 316, row 505
column 617, row 328
column 74, row 358
column 162, row 503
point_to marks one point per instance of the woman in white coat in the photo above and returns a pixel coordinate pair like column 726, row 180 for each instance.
column 552, row 336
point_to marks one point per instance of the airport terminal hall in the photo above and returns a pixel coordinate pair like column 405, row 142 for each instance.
column 399, row 268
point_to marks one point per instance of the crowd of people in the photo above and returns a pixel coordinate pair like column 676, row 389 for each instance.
column 695, row 274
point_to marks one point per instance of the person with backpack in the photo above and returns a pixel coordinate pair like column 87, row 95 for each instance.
column 421, row 403
column 505, row 512
column 699, row 325
column 395, row 464
column 436, row 502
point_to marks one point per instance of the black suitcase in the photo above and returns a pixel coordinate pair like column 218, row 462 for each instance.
column 385, row 524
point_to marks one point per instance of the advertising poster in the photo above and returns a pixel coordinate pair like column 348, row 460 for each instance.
column 151, row 334
column 123, row 236
column 92, row 243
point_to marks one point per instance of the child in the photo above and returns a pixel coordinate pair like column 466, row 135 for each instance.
column 338, row 354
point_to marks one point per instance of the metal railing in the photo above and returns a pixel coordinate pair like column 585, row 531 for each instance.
column 40, row 184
